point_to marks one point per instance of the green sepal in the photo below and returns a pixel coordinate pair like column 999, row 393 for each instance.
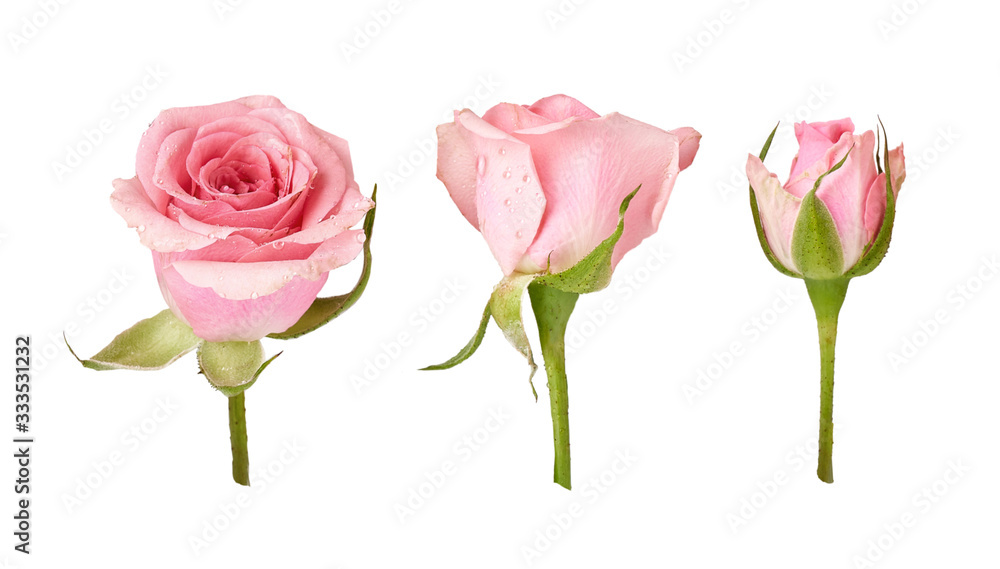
column 593, row 272
column 880, row 245
column 153, row 343
column 470, row 348
column 757, row 222
column 232, row 367
column 505, row 306
column 816, row 248
column 323, row 310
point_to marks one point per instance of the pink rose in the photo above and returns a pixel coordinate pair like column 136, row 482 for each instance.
column 854, row 194
column 246, row 207
column 543, row 183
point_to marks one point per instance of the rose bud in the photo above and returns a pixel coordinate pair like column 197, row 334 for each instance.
column 830, row 222
column 560, row 194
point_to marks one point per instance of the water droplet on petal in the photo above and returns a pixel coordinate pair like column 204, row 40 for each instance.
column 506, row 202
column 518, row 190
column 518, row 234
column 503, row 151
column 211, row 236
column 159, row 181
column 287, row 278
column 360, row 237
column 141, row 228
column 506, row 173
column 526, row 179
column 669, row 175
column 481, row 165
column 254, row 295
column 278, row 245
column 221, row 277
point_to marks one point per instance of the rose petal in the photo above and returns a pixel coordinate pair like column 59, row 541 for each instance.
column 509, row 117
column 845, row 193
column 779, row 210
column 587, row 168
column 814, row 141
column 508, row 199
column 156, row 231
column 238, row 281
column 688, row 140
column 218, row 319
column 560, row 107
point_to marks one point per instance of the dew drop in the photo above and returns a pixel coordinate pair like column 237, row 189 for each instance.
column 360, row 237
column 518, row 234
column 128, row 209
column 211, row 236
column 669, row 175
column 159, row 181
column 141, row 228
column 254, row 295
column 221, row 277
column 526, row 179
column 278, row 245
column 511, row 210
column 506, row 202
column 503, row 151
column 506, row 173
column 287, row 278
column 481, row 165
column 518, row 190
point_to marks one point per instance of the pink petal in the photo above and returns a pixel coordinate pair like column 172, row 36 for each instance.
column 778, row 209
column 897, row 167
column 239, row 281
column 329, row 154
column 875, row 202
column 166, row 123
column 587, row 167
column 845, row 194
column 814, row 141
column 217, row 319
column 509, row 117
column 487, row 169
column 157, row 231
column 689, row 140
column 803, row 183
column 560, row 107
column 456, row 168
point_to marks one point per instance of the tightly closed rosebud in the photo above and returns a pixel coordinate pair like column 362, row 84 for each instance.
column 830, row 222
column 828, row 214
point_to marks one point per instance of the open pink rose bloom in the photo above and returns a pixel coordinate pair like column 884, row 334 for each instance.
column 246, row 207
column 543, row 183
column 854, row 194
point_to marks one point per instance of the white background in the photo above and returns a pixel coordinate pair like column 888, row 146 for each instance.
column 698, row 492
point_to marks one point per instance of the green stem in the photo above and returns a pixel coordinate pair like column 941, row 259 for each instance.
column 552, row 308
column 827, row 297
column 238, row 439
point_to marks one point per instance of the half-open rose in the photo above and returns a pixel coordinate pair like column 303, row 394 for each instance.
column 246, row 207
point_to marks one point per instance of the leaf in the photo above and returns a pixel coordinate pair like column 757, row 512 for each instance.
column 816, row 247
column 764, row 245
column 880, row 245
column 323, row 310
column 470, row 348
column 153, row 343
column 593, row 272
